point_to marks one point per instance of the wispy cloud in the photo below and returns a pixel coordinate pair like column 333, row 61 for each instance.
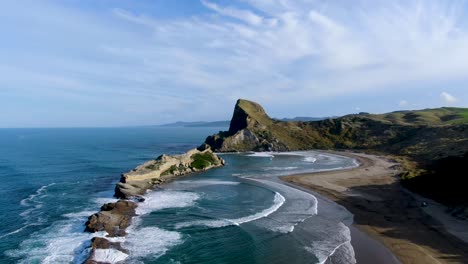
column 448, row 98
column 319, row 53
column 151, row 69
column 403, row 103
column 243, row 15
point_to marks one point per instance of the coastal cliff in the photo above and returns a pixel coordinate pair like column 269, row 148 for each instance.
column 431, row 145
column 114, row 218
column 251, row 129
column 425, row 134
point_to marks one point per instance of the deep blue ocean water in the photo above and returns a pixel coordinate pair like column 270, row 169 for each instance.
column 53, row 179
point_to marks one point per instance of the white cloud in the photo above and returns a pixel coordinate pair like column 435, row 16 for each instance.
column 244, row 15
column 273, row 51
column 448, row 98
column 403, row 103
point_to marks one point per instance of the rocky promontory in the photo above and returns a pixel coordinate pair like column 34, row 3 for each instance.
column 114, row 218
column 251, row 129
column 430, row 144
column 421, row 134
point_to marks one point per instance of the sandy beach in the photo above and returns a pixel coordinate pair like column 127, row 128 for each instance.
column 390, row 214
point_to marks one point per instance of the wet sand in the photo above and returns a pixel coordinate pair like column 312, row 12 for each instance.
column 386, row 212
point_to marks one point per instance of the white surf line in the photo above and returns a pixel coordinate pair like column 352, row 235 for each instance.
column 333, row 251
column 206, row 182
column 25, row 201
column 18, row 230
column 262, row 155
column 278, row 201
column 33, row 205
column 154, row 201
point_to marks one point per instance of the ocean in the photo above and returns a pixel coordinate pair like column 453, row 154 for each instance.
column 53, row 179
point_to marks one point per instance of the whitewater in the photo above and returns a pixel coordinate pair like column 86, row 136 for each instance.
column 241, row 213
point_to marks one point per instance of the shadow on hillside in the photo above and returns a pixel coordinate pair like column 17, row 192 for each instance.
column 400, row 216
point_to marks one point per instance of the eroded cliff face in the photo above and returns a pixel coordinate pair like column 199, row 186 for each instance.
column 429, row 142
column 250, row 129
column 424, row 134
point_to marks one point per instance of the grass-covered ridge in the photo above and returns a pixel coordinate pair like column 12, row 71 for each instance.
column 431, row 117
column 428, row 133
column 424, row 141
column 203, row 160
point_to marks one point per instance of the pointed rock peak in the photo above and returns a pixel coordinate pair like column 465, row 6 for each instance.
column 246, row 112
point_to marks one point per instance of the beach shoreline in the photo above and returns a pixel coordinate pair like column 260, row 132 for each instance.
column 385, row 212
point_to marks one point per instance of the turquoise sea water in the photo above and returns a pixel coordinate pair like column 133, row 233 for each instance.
column 53, row 179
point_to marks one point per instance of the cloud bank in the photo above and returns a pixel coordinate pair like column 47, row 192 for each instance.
column 142, row 68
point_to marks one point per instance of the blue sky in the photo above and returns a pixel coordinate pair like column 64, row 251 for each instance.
column 75, row 63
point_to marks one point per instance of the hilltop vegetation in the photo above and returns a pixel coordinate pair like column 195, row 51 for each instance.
column 424, row 134
column 422, row 140
column 432, row 117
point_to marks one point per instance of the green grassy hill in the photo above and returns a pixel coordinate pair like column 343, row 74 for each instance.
column 425, row 134
column 432, row 117
column 425, row 141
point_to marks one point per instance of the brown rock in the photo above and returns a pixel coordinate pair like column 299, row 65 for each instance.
column 113, row 218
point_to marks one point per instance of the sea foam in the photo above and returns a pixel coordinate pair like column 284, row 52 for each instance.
column 38, row 193
column 166, row 199
column 109, row 255
column 261, row 155
column 339, row 241
column 310, row 159
column 63, row 242
column 150, row 241
column 280, row 168
column 198, row 183
column 153, row 242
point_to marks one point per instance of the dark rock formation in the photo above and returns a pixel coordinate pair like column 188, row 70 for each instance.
column 250, row 129
column 113, row 218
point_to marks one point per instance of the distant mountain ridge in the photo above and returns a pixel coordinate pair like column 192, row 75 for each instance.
column 225, row 123
column 198, row 124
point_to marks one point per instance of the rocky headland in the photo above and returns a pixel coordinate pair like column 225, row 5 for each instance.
column 423, row 151
column 431, row 145
column 114, row 218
